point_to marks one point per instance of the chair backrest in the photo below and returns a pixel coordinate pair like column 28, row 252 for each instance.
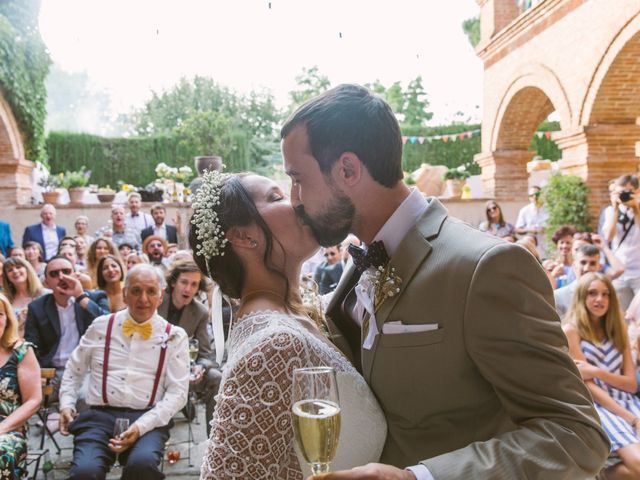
column 46, row 376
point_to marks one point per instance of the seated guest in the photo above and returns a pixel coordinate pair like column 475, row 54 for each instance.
column 138, row 368
column 67, row 242
column 34, row 254
column 495, row 223
column 328, row 273
column 20, row 391
column 99, row 248
column 124, row 249
column 110, row 275
column 172, row 249
column 179, row 307
column 6, row 241
column 610, row 264
column 137, row 220
column 82, row 229
column 154, row 248
column 72, row 254
column 57, row 320
column 21, row 286
column 599, row 344
column 160, row 228
column 46, row 233
column 563, row 240
column 81, row 249
column 119, row 232
column 586, row 259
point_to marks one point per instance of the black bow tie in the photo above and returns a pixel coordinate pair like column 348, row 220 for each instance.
column 373, row 256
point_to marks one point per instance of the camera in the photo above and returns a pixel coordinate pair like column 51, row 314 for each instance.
column 625, row 195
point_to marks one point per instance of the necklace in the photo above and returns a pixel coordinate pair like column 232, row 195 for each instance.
column 257, row 293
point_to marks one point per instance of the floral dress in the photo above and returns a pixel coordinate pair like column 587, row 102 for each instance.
column 13, row 445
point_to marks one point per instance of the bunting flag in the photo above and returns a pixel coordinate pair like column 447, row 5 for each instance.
column 451, row 137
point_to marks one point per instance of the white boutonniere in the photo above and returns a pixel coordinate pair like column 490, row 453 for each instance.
column 164, row 339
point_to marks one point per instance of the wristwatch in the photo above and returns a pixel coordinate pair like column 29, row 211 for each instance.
column 81, row 297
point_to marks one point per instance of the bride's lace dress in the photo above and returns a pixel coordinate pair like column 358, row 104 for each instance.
column 251, row 435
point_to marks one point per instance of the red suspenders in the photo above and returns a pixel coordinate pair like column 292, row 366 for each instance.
column 105, row 366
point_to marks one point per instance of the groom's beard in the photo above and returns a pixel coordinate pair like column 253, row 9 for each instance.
column 333, row 225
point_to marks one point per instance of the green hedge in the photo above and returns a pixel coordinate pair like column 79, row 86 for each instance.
column 132, row 160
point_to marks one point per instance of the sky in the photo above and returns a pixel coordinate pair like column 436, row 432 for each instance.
column 133, row 47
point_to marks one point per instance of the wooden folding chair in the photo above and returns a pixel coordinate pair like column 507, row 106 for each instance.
column 36, row 456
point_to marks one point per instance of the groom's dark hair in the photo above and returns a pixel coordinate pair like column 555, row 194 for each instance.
column 349, row 118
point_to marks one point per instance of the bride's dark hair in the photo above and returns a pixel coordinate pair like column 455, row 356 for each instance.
column 236, row 209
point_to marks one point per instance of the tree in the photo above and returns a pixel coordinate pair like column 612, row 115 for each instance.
column 310, row 83
column 471, row 27
column 206, row 132
column 416, row 104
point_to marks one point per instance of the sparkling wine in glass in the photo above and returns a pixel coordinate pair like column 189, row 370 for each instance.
column 121, row 425
column 194, row 348
column 316, row 416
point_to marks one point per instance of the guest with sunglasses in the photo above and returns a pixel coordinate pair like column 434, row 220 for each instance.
column 56, row 321
column 328, row 273
column 495, row 223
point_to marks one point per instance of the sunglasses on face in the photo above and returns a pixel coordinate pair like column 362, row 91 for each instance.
column 56, row 273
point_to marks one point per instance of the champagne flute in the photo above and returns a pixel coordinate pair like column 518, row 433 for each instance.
column 194, row 349
column 316, row 416
column 121, row 425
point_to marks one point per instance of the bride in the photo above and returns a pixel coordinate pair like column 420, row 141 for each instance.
column 247, row 237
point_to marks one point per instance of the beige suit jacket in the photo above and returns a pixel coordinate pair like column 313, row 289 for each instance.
column 492, row 393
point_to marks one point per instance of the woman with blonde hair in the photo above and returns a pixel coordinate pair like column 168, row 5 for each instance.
column 20, row 392
column 21, row 285
column 100, row 247
column 599, row 344
column 110, row 275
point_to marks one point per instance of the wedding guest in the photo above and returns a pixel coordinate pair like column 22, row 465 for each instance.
column 532, row 219
column 599, row 344
column 154, row 248
column 609, row 261
column 6, row 241
column 34, row 254
column 21, row 286
column 17, row 252
column 144, row 379
column 137, row 220
column 119, row 232
column 81, row 250
column 70, row 252
column 82, row 229
column 110, row 275
column 20, row 391
column 134, row 259
column 46, row 233
column 495, row 223
column 172, row 248
column 125, row 249
column 160, row 228
column 563, row 240
column 100, row 247
column 328, row 273
column 466, row 356
column 67, row 242
column 585, row 260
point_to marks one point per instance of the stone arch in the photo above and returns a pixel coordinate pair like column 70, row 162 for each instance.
column 528, row 100
column 15, row 171
column 613, row 95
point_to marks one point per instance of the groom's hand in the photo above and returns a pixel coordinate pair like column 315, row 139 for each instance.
column 371, row 471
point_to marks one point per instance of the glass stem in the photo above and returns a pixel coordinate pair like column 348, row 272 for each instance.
column 318, row 468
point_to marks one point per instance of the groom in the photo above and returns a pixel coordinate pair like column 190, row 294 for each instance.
column 467, row 360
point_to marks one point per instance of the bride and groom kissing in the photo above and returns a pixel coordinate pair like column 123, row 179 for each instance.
column 452, row 366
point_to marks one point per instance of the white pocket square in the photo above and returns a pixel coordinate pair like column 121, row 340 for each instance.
column 391, row 328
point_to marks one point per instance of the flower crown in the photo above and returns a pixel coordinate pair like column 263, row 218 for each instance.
column 209, row 232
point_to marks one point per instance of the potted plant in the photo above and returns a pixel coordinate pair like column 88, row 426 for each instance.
column 106, row 194
column 76, row 182
column 151, row 193
column 49, row 184
column 454, row 178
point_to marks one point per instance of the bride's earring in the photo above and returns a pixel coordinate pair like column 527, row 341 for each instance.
column 253, row 243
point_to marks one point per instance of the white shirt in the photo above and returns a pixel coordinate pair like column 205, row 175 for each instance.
column 391, row 234
column 138, row 222
column 530, row 216
column 69, row 335
column 160, row 231
column 629, row 251
column 50, row 239
column 132, row 369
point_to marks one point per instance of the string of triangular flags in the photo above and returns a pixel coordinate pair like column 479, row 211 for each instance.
column 450, row 137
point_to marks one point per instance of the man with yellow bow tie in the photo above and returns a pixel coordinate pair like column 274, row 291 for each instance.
column 138, row 367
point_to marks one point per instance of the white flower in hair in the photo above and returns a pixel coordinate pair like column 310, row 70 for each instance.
column 211, row 238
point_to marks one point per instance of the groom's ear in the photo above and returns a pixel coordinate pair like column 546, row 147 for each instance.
column 349, row 168
column 240, row 237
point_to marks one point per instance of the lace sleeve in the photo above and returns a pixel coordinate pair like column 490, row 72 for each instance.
column 251, row 435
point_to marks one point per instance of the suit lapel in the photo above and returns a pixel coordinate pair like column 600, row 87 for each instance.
column 52, row 314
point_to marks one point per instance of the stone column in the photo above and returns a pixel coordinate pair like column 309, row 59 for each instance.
column 504, row 174
column 15, row 182
column 598, row 154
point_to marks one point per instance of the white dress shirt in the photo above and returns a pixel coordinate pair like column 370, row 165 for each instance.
column 391, row 235
column 160, row 231
column 69, row 335
column 132, row 369
column 50, row 239
column 138, row 222
column 530, row 216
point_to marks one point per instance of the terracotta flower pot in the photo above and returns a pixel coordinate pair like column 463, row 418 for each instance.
column 454, row 186
column 51, row 197
column 76, row 194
